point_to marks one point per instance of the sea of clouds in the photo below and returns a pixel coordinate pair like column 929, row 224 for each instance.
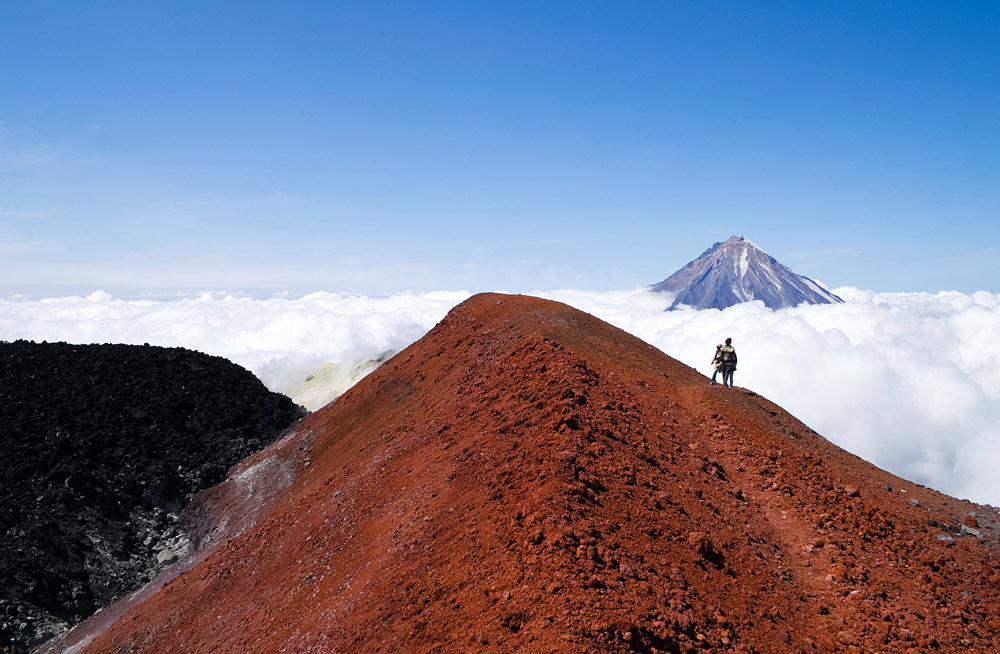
column 909, row 381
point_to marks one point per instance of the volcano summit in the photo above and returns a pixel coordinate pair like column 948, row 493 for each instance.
column 527, row 478
column 738, row 271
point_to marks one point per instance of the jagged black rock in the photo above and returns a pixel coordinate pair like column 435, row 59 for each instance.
column 102, row 447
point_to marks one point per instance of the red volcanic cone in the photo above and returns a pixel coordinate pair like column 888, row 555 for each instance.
column 527, row 478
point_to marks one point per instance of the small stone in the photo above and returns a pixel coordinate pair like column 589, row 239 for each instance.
column 702, row 543
column 845, row 638
column 945, row 538
column 165, row 557
column 971, row 531
column 970, row 521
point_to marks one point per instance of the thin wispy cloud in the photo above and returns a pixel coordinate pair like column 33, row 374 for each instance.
column 26, row 216
column 14, row 248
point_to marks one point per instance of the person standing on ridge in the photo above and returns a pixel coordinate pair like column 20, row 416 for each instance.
column 728, row 356
column 717, row 361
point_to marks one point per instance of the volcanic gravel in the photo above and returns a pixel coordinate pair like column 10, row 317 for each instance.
column 102, row 447
column 527, row 478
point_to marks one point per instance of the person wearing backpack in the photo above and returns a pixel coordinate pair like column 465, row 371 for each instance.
column 717, row 362
column 728, row 356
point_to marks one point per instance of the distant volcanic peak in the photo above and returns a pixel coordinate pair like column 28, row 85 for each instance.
column 738, row 271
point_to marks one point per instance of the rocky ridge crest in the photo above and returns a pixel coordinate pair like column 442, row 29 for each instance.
column 528, row 478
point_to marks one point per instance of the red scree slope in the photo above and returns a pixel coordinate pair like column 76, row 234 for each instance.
column 527, row 478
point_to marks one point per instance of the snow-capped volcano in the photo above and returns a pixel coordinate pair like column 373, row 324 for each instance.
column 739, row 271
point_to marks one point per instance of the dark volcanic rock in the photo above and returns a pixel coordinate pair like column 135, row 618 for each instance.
column 102, row 447
column 738, row 271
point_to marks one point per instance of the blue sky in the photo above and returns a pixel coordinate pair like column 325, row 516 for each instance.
column 382, row 146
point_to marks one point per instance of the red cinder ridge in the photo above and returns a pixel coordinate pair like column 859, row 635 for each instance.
column 528, row 478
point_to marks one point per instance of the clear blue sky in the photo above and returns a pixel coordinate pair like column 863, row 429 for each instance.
column 382, row 146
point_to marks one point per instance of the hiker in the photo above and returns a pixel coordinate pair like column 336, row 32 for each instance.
column 728, row 356
column 717, row 361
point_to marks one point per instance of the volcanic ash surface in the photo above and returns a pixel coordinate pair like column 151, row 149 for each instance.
column 527, row 478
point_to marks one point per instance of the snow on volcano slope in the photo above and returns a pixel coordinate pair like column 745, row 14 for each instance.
column 738, row 271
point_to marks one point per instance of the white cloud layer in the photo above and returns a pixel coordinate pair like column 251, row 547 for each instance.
column 284, row 341
column 909, row 381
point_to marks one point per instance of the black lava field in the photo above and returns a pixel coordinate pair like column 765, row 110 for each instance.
column 103, row 445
